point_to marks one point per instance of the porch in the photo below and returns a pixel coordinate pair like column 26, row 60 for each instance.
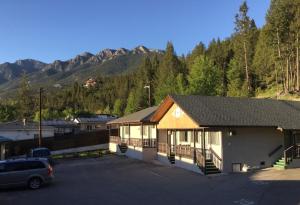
column 194, row 147
column 135, row 142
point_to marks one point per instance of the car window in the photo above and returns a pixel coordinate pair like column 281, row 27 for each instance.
column 14, row 166
column 36, row 165
column 2, row 167
column 41, row 153
column 26, row 165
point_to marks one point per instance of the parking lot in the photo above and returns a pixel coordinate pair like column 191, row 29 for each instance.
column 119, row 180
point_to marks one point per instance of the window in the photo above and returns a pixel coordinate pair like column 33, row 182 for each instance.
column 236, row 167
column 2, row 167
column 26, row 165
column 145, row 130
column 183, row 136
column 214, row 138
column 35, row 165
column 126, row 130
column 41, row 153
column 89, row 127
column 199, row 136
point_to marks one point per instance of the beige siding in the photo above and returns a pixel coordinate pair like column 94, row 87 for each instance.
column 250, row 146
column 176, row 118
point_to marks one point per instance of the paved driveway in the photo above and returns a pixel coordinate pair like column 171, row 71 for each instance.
column 119, row 180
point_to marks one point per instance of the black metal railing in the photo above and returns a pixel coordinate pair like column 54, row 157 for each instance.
column 291, row 153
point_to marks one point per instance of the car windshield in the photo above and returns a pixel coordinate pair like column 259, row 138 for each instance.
column 41, row 153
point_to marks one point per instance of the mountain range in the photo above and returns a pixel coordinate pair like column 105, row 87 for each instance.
column 80, row 68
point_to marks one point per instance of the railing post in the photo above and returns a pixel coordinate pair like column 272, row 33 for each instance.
column 195, row 157
column 285, row 158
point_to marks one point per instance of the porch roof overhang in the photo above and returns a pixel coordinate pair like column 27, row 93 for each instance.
column 140, row 117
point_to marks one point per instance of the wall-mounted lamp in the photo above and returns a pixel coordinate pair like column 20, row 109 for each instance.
column 231, row 133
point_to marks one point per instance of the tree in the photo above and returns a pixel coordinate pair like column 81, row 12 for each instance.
column 25, row 99
column 236, row 86
column 48, row 114
column 220, row 52
column 118, row 107
column 204, row 78
column 245, row 40
column 7, row 112
column 279, row 27
column 264, row 63
column 169, row 68
column 132, row 105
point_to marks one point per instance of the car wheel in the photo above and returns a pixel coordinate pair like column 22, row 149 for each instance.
column 35, row 183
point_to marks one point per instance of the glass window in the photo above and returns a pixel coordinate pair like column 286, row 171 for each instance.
column 214, row 138
column 183, row 136
column 35, row 165
column 126, row 130
column 145, row 130
column 2, row 167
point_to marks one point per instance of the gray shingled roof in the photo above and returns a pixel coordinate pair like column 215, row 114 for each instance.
column 137, row 117
column 16, row 125
column 230, row 111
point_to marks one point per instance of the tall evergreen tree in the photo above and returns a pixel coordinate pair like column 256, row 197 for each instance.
column 25, row 99
column 245, row 38
column 169, row 68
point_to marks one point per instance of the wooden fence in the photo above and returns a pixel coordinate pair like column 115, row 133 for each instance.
column 80, row 139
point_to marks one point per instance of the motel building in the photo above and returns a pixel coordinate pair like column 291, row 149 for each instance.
column 136, row 136
column 212, row 135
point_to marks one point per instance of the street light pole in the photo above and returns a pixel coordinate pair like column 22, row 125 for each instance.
column 40, row 121
column 149, row 94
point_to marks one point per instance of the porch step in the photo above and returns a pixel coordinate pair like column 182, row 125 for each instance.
column 210, row 168
column 171, row 158
column 123, row 148
column 280, row 164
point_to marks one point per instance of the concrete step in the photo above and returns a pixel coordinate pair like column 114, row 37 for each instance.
column 212, row 172
column 281, row 163
column 279, row 166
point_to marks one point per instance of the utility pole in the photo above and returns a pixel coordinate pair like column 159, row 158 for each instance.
column 40, row 121
column 149, row 94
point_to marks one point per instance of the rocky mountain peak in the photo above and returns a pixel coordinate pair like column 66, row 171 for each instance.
column 140, row 50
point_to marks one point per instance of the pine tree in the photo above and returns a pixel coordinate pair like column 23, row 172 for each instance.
column 169, row 68
column 25, row 99
column 244, row 44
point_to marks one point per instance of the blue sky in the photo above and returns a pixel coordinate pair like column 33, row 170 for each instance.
column 47, row 30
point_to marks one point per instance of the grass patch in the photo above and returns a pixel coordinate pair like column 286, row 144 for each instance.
column 84, row 154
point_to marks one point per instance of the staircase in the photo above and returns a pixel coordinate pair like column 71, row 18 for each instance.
column 171, row 158
column 280, row 164
column 123, row 148
column 210, row 168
